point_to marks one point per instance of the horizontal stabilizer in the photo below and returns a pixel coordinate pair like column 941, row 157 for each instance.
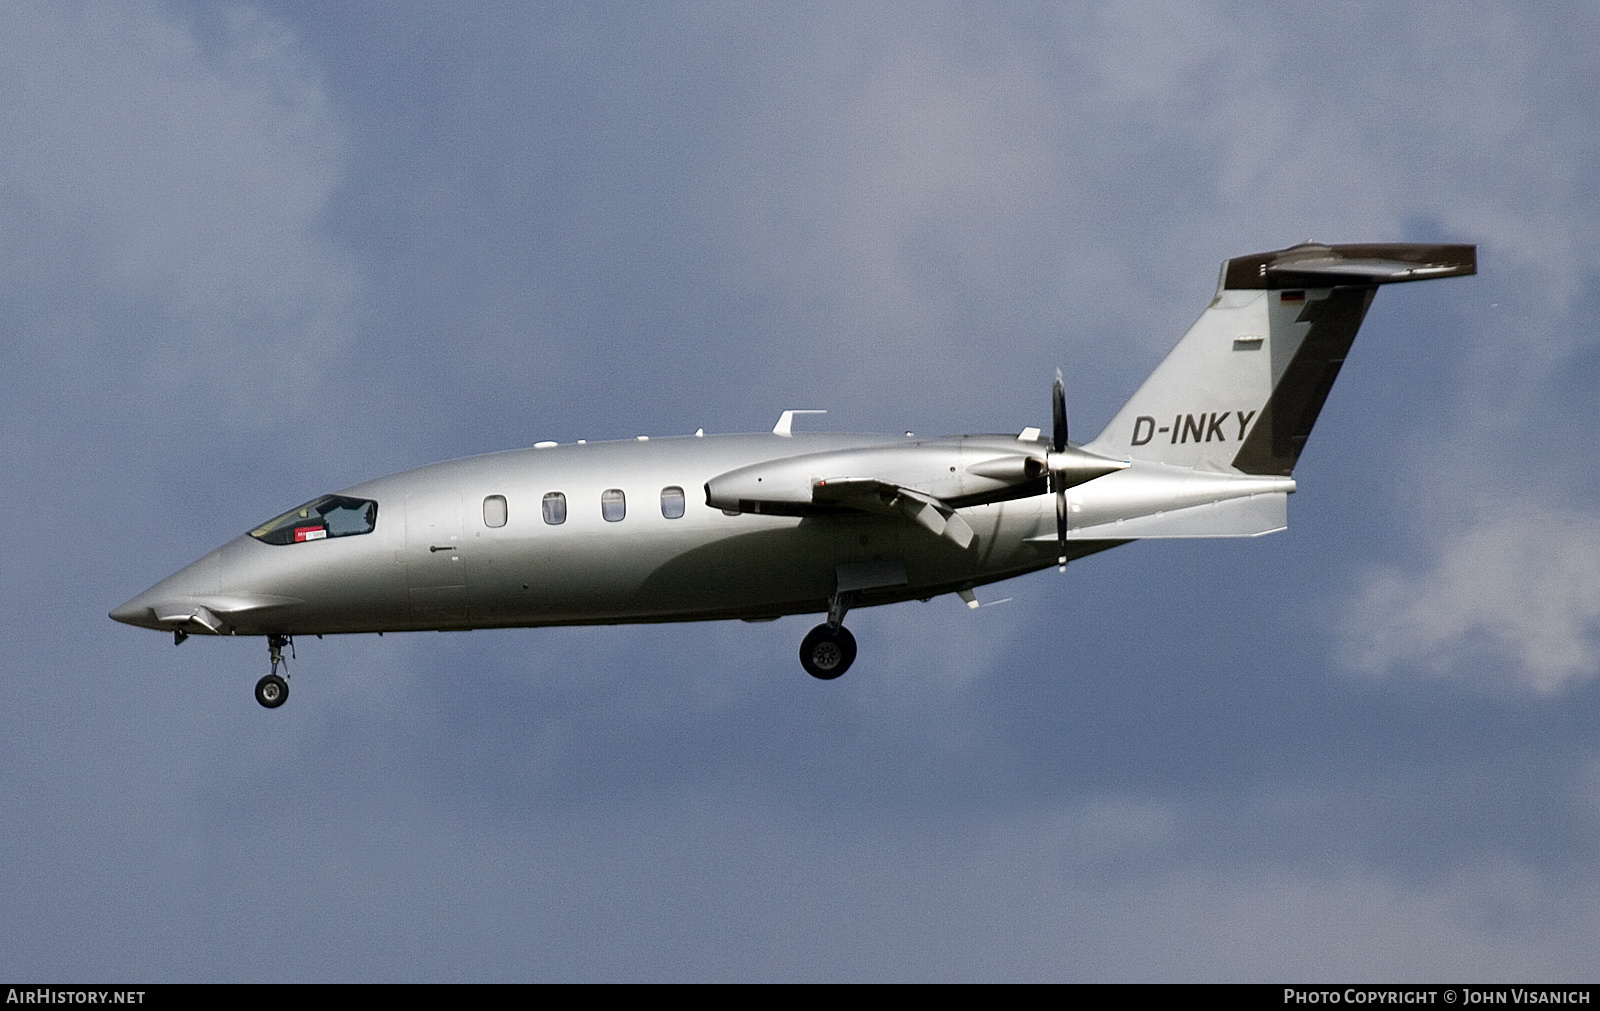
column 1314, row 265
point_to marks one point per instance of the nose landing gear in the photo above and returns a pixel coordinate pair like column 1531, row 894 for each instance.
column 272, row 691
column 828, row 650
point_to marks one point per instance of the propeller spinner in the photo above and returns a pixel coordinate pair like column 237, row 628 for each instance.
column 1068, row 465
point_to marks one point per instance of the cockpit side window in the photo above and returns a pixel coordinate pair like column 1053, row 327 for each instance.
column 321, row 518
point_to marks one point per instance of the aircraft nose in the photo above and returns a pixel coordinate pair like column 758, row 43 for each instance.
column 136, row 612
column 171, row 594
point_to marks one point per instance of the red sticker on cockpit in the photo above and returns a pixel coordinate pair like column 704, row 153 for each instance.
column 309, row 533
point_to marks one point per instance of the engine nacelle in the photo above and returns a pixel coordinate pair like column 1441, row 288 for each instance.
column 959, row 472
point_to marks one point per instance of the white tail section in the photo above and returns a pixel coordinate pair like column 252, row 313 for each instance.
column 1244, row 386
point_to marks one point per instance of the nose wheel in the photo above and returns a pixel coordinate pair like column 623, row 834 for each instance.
column 272, row 691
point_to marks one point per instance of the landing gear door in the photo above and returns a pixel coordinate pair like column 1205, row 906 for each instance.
column 867, row 553
column 435, row 573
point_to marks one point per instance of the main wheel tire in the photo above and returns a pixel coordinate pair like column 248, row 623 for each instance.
column 272, row 691
column 826, row 652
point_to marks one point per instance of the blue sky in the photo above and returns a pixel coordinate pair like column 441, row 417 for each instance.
column 249, row 254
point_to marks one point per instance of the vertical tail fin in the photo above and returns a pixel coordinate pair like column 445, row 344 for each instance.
column 1243, row 387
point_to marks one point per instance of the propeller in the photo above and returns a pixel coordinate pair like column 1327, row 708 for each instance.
column 1069, row 465
column 1058, row 446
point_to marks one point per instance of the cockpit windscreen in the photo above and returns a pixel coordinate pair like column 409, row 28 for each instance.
column 328, row 516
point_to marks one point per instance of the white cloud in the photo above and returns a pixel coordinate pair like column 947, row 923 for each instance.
column 970, row 182
column 1511, row 598
column 870, row 199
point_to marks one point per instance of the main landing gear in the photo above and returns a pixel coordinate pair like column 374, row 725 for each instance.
column 272, row 691
column 829, row 649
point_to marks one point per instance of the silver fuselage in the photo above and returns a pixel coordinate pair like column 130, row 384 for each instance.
column 432, row 562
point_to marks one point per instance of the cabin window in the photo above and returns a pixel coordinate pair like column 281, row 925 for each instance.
column 321, row 518
column 555, row 508
column 494, row 511
column 672, row 502
column 613, row 505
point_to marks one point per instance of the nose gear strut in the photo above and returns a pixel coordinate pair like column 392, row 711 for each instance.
column 272, row 691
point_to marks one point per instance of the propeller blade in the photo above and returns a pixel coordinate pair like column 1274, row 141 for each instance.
column 1058, row 403
column 1058, row 417
column 1070, row 466
column 1061, row 528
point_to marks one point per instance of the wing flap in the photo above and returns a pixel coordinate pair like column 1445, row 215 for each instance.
column 871, row 495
